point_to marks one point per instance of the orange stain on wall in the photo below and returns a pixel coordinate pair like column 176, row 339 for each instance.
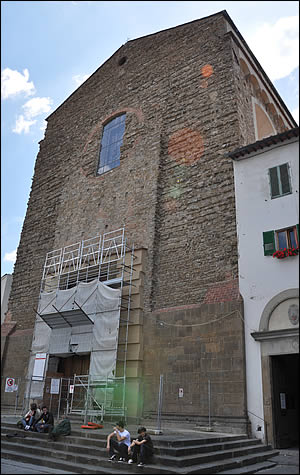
column 207, row 70
column 186, row 146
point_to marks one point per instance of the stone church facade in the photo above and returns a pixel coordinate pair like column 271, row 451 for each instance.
column 188, row 95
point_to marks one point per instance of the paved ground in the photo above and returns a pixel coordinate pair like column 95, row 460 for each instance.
column 288, row 463
column 13, row 467
column 287, row 460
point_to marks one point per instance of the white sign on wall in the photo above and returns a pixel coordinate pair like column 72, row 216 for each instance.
column 71, row 389
column 54, row 386
column 39, row 367
column 180, row 392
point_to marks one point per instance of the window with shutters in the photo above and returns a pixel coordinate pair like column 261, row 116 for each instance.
column 287, row 238
column 280, row 183
column 112, row 139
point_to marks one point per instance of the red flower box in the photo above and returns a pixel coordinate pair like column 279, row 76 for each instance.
column 282, row 253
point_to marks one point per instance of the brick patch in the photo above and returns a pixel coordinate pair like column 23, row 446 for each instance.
column 223, row 292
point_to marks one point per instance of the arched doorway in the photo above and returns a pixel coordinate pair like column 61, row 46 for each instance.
column 279, row 338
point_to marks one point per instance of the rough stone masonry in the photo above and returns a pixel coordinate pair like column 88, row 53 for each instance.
column 187, row 102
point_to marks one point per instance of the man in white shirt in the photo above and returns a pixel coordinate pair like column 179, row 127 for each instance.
column 121, row 444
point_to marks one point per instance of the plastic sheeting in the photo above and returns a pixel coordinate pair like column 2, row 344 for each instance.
column 102, row 305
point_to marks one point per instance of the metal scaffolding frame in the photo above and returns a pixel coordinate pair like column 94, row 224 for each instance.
column 104, row 258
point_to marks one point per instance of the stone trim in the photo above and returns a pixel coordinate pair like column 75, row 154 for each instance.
column 270, row 335
column 272, row 304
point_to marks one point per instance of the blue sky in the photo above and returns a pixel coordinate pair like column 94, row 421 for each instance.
column 49, row 48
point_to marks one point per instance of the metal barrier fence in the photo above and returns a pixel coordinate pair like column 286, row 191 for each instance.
column 83, row 395
column 10, row 394
column 16, row 395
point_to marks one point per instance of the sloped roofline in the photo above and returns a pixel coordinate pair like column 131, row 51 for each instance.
column 260, row 145
column 240, row 37
column 131, row 41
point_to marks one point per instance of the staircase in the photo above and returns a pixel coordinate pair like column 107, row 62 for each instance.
column 84, row 452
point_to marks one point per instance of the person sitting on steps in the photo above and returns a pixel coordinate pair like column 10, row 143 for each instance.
column 122, row 443
column 142, row 447
column 30, row 417
column 45, row 422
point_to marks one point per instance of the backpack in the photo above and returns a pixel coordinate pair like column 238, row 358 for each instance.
column 63, row 428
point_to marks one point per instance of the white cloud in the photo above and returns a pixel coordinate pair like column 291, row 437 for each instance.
column 32, row 108
column 43, row 126
column 276, row 46
column 37, row 106
column 13, row 82
column 23, row 125
column 10, row 256
column 80, row 78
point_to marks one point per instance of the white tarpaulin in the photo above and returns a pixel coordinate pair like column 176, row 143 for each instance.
column 91, row 326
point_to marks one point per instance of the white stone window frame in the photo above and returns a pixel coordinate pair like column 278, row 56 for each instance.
column 281, row 194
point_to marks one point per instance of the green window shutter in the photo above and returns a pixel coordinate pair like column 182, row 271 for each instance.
column 269, row 243
column 284, row 178
column 274, row 183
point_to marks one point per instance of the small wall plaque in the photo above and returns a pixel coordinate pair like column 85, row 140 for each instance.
column 293, row 313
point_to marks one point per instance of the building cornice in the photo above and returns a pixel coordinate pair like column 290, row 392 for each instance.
column 261, row 145
column 275, row 334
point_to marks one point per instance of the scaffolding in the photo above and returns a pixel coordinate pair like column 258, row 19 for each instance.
column 109, row 259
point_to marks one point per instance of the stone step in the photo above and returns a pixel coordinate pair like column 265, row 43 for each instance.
column 159, row 440
column 94, row 446
column 235, row 465
column 51, row 462
column 204, row 448
column 74, row 459
column 179, row 447
column 90, row 445
column 229, row 465
column 90, row 465
column 85, row 452
column 197, row 459
column 177, row 441
column 254, row 468
column 72, row 452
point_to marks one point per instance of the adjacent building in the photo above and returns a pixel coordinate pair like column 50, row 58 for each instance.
column 133, row 195
column 267, row 215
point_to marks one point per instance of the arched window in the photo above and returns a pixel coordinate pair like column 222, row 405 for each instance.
column 112, row 139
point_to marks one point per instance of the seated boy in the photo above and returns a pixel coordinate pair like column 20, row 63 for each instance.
column 45, row 422
column 121, row 445
column 142, row 446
